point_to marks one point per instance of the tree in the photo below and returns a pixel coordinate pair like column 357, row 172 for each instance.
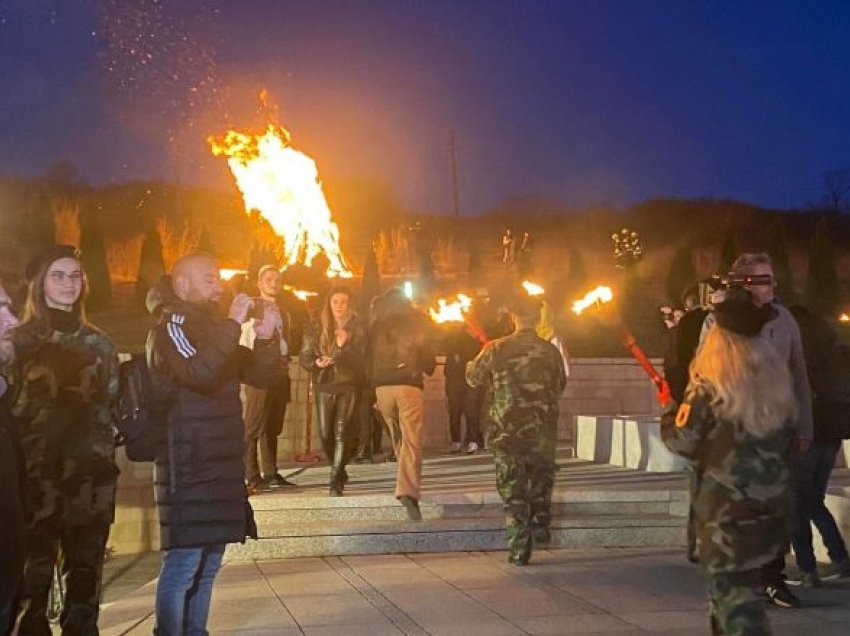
column 205, row 244
column 778, row 250
column 371, row 284
column 728, row 252
column 151, row 263
column 681, row 275
column 837, row 186
column 94, row 262
column 41, row 229
column 822, row 280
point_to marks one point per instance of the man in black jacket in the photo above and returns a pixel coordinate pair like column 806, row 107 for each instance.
column 199, row 486
column 400, row 356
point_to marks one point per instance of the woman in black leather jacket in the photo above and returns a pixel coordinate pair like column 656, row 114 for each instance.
column 333, row 353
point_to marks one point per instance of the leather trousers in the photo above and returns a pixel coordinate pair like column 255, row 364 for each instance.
column 336, row 428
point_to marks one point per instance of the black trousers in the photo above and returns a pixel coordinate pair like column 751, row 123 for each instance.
column 464, row 402
column 336, row 428
column 277, row 397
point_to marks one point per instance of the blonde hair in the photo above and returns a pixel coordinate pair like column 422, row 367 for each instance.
column 749, row 380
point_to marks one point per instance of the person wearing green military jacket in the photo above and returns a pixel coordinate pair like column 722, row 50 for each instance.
column 525, row 376
column 736, row 425
column 64, row 382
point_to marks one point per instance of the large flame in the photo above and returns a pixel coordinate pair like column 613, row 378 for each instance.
column 594, row 297
column 282, row 184
column 451, row 311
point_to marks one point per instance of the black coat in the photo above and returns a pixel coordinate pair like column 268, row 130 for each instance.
column 401, row 349
column 348, row 372
column 200, row 492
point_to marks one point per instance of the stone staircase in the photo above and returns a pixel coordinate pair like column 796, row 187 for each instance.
column 593, row 505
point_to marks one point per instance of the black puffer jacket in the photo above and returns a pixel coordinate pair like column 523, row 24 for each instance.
column 200, row 491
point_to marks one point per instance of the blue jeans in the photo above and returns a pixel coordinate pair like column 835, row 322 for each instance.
column 185, row 588
column 810, row 477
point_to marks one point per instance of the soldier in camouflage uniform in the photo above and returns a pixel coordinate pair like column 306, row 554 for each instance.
column 736, row 426
column 525, row 375
column 64, row 379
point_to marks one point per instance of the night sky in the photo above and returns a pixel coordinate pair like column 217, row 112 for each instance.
column 592, row 101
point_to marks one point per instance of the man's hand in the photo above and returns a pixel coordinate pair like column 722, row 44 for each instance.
column 239, row 308
column 271, row 317
column 341, row 337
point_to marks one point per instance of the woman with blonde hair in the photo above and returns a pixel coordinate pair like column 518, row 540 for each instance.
column 736, row 425
column 333, row 353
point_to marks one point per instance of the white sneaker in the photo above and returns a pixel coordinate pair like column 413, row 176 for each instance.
column 454, row 447
column 471, row 448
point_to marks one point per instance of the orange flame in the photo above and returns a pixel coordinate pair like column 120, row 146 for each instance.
column 596, row 296
column 451, row 311
column 532, row 289
column 283, row 185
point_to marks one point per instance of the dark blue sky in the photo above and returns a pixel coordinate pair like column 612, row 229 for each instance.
column 592, row 101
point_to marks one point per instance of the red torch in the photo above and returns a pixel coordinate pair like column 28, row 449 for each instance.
column 601, row 295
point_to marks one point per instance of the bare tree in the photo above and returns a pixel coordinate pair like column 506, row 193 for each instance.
column 837, row 190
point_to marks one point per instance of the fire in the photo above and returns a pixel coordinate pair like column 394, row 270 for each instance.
column 282, row 184
column 300, row 294
column 599, row 295
column 451, row 311
column 532, row 289
column 226, row 274
column 844, row 317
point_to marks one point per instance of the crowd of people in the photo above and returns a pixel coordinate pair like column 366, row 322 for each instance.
column 749, row 412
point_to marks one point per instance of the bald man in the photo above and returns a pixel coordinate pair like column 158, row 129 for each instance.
column 200, row 492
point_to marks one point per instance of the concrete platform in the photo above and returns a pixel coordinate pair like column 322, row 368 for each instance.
column 602, row 591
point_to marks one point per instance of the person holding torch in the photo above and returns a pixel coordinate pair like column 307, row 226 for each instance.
column 526, row 378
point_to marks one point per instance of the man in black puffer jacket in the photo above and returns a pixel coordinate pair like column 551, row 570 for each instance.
column 200, row 492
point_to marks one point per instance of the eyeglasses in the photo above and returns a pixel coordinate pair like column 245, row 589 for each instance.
column 60, row 277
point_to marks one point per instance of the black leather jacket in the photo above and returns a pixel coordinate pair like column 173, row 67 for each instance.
column 348, row 372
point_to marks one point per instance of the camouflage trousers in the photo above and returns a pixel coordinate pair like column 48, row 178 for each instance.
column 82, row 552
column 525, row 483
column 737, row 608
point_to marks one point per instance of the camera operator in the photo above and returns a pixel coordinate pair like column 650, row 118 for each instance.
column 754, row 272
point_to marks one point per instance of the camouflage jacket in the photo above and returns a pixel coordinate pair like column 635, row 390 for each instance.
column 525, row 376
column 64, row 387
column 741, row 498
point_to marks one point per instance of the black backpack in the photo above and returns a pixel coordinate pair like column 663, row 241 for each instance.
column 831, row 395
column 142, row 410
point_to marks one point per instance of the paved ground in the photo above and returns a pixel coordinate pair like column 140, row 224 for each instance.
column 604, row 591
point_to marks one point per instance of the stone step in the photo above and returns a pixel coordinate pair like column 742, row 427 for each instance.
column 270, row 509
column 289, row 540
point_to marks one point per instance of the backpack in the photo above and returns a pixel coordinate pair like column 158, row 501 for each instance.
column 142, row 405
column 831, row 395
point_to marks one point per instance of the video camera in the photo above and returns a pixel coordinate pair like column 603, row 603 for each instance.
column 709, row 286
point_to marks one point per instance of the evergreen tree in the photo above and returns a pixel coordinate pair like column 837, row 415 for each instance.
column 40, row 228
column 151, row 263
column 729, row 251
column 205, row 244
column 94, row 262
column 778, row 250
column 822, row 280
column 578, row 271
column 371, row 285
column 681, row 275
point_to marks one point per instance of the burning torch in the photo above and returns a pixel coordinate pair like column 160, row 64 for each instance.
column 598, row 297
column 458, row 311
